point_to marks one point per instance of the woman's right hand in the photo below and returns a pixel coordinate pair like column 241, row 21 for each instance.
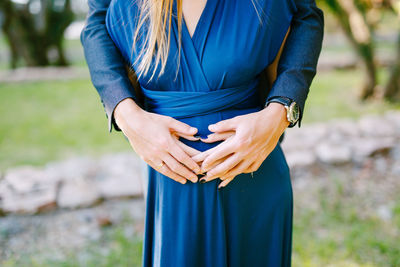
column 155, row 138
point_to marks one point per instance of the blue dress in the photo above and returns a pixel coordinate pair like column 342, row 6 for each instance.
column 248, row 222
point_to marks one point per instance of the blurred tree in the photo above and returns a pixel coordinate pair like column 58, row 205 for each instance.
column 34, row 30
column 392, row 88
column 358, row 19
column 351, row 15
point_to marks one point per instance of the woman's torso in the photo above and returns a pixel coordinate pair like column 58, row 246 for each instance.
column 229, row 49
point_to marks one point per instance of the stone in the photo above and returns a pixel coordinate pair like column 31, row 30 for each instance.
column 83, row 166
column 120, row 176
column 345, row 126
column 32, row 202
column 77, row 192
column 26, row 179
column 333, row 153
column 376, row 126
column 336, row 136
column 368, row 146
column 300, row 158
column 304, row 137
column 395, row 170
column 27, row 189
column 393, row 116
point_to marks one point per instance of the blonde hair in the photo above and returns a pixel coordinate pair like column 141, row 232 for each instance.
column 157, row 13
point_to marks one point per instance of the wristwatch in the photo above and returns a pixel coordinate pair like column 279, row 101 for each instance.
column 292, row 109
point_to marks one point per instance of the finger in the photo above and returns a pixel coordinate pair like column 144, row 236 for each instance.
column 188, row 149
column 214, row 137
column 239, row 168
column 226, row 181
column 223, row 126
column 189, row 137
column 178, row 168
column 254, row 166
column 181, row 127
column 208, row 177
column 165, row 170
column 217, row 162
column 184, row 158
column 221, row 150
column 203, row 155
column 222, row 168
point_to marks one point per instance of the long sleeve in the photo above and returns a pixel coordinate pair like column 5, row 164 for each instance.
column 106, row 64
column 298, row 63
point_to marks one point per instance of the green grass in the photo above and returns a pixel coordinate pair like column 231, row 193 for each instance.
column 333, row 95
column 44, row 121
column 74, row 53
column 336, row 234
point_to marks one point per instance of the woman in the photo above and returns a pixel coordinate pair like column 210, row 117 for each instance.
column 202, row 114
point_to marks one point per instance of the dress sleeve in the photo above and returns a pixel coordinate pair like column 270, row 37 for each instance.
column 298, row 63
column 105, row 62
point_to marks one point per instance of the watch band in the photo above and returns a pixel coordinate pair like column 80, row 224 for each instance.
column 288, row 104
column 280, row 99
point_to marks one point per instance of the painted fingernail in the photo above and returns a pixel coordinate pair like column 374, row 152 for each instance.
column 204, row 138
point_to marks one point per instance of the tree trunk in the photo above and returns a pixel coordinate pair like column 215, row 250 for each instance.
column 392, row 88
column 7, row 9
column 29, row 42
column 359, row 34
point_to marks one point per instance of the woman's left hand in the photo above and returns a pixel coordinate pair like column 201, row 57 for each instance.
column 248, row 140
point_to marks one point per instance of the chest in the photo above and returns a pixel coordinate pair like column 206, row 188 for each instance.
column 225, row 44
column 192, row 10
column 233, row 41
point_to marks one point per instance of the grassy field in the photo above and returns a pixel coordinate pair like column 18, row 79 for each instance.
column 44, row 121
column 333, row 94
column 338, row 235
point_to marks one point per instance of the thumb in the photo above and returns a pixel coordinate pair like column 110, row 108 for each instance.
column 222, row 126
column 182, row 128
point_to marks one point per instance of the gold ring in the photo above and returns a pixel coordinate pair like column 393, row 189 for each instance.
column 160, row 165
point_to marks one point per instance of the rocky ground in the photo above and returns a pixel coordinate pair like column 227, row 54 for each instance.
column 64, row 205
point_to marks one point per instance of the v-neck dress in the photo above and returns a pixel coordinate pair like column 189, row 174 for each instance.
column 248, row 222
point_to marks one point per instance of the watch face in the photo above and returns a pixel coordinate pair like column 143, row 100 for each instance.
column 294, row 112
